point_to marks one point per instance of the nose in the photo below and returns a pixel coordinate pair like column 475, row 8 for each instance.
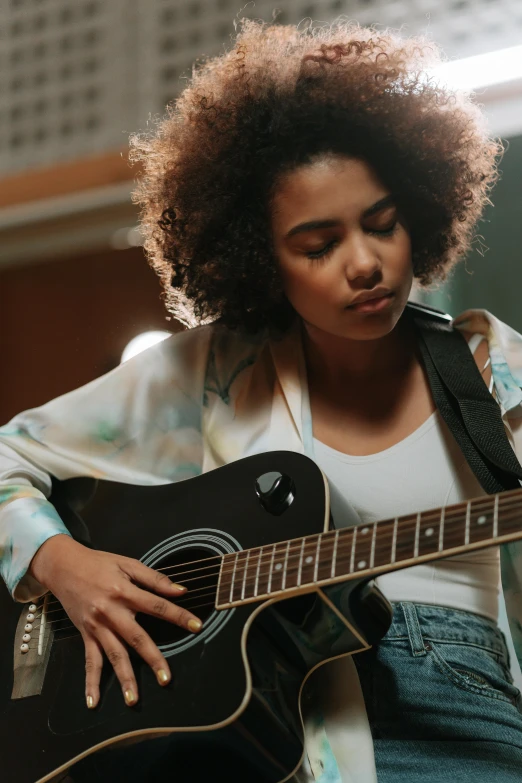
column 361, row 260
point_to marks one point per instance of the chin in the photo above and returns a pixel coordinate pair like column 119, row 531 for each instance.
column 355, row 326
column 369, row 332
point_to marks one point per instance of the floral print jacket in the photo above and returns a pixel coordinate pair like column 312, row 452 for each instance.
column 196, row 401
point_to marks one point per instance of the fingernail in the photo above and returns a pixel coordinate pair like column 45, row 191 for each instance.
column 90, row 702
column 162, row 676
column 130, row 698
column 178, row 587
column 194, row 625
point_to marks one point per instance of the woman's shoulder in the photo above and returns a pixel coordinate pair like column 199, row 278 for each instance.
column 220, row 353
column 504, row 346
column 485, row 322
column 213, row 337
column 498, row 333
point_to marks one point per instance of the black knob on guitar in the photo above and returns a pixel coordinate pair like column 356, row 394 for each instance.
column 276, row 492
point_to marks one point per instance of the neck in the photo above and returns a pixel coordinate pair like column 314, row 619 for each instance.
column 336, row 359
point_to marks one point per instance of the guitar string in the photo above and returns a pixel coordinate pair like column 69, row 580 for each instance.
column 383, row 539
column 478, row 506
column 213, row 593
column 192, row 571
column 185, row 599
column 344, row 551
column 67, row 627
column 452, row 538
column 183, row 595
column 382, row 542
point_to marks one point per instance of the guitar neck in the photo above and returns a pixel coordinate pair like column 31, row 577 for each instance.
column 368, row 550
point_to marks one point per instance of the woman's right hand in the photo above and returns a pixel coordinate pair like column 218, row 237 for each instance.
column 102, row 593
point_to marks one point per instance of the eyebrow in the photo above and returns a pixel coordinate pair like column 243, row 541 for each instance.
column 312, row 225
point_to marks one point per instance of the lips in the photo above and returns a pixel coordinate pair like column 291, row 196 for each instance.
column 377, row 293
column 371, row 304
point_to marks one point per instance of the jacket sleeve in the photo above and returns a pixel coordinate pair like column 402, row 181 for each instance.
column 505, row 350
column 139, row 424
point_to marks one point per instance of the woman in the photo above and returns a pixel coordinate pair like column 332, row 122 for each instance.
column 291, row 196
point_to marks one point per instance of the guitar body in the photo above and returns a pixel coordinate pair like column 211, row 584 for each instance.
column 236, row 685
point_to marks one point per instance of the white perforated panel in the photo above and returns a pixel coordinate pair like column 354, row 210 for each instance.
column 77, row 76
column 63, row 80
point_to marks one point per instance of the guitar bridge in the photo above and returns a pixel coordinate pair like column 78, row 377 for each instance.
column 32, row 647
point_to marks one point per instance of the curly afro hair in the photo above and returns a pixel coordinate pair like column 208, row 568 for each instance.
column 280, row 97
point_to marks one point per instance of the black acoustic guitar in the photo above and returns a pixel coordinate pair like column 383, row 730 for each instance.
column 282, row 588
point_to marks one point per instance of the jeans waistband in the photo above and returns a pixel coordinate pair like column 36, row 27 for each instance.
column 425, row 622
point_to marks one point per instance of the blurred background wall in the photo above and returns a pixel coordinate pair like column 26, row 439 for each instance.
column 77, row 77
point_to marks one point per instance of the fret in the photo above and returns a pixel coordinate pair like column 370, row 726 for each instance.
column 352, row 553
column 292, row 564
column 238, row 576
column 269, row 586
column 326, row 557
column 264, row 569
column 405, row 543
column 481, row 519
column 509, row 516
column 245, row 572
column 454, row 526
column 441, row 528
column 285, row 567
column 345, row 551
column 417, row 531
column 309, row 560
column 256, row 583
column 428, row 534
column 466, row 532
column 231, row 596
column 495, row 517
column 394, row 539
column 299, row 573
column 372, row 552
column 363, row 548
column 334, row 555
column 317, row 554
column 278, row 567
column 382, row 546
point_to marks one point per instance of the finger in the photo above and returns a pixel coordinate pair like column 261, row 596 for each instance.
column 142, row 601
column 154, row 580
column 119, row 659
column 140, row 641
column 93, row 669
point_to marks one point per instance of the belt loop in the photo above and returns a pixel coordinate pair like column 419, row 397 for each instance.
column 414, row 631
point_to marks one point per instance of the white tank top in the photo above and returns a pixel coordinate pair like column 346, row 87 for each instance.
column 425, row 470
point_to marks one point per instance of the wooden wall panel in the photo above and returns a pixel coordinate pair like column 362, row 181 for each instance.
column 64, row 323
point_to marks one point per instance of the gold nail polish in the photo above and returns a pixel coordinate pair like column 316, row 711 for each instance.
column 179, row 587
column 130, row 698
column 90, row 702
column 194, row 625
column 162, row 676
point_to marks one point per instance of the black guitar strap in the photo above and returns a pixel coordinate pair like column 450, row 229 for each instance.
column 464, row 401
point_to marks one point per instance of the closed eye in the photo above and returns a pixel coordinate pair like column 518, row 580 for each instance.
column 384, row 232
column 327, row 249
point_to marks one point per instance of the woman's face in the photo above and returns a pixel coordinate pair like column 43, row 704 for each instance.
column 339, row 239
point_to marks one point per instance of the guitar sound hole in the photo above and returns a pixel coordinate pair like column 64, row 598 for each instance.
column 198, row 571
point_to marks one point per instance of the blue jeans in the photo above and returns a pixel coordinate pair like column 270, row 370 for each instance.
column 440, row 699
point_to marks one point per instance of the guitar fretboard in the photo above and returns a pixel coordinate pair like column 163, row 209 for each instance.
column 301, row 564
